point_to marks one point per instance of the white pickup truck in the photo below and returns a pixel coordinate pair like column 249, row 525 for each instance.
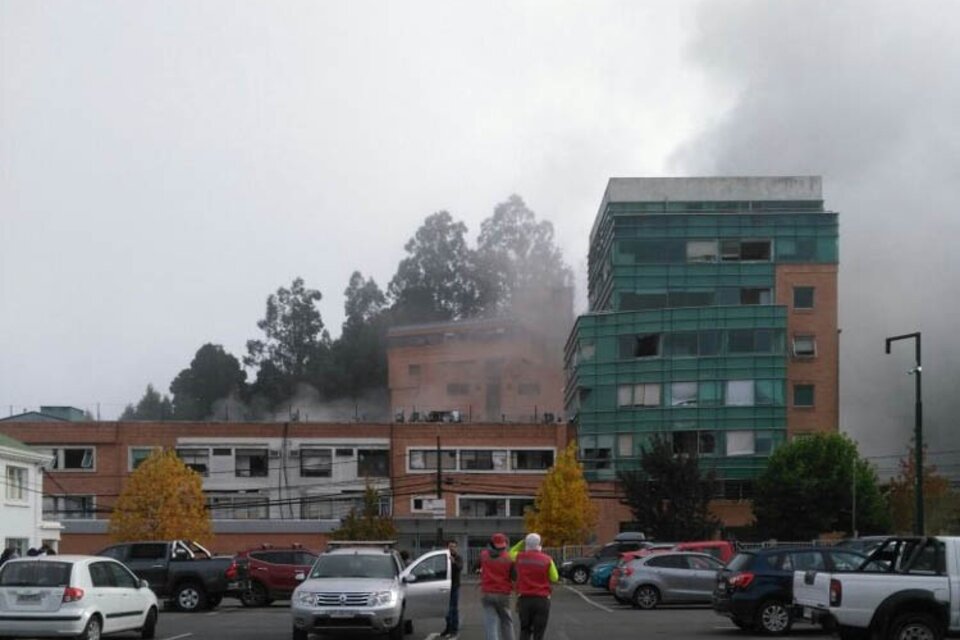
column 908, row 589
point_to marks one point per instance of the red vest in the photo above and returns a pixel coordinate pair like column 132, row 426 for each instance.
column 495, row 572
column 533, row 573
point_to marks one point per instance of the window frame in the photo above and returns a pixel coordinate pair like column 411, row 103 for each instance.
column 59, row 459
column 797, row 289
column 62, row 513
column 130, row 457
column 21, row 488
column 806, row 386
column 244, row 452
column 318, row 470
column 802, row 337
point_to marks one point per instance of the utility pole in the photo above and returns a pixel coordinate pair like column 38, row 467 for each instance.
column 917, row 430
column 440, row 495
column 855, row 498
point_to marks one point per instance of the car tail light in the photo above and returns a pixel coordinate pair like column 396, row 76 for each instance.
column 628, row 571
column 232, row 571
column 72, row 594
column 836, row 593
column 741, row 580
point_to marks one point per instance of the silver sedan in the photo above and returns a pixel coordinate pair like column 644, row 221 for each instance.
column 669, row 578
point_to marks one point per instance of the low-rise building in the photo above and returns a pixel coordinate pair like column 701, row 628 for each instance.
column 24, row 527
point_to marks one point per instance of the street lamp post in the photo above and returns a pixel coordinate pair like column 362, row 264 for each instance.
column 917, row 431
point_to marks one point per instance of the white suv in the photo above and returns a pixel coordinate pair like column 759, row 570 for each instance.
column 366, row 589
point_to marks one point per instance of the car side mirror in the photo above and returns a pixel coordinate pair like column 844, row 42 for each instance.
column 409, row 578
column 144, row 584
column 299, row 576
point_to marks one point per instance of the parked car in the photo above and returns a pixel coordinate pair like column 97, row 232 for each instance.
column 578, row 569
column 600, row 574
column 865, row 545
column 365, row 588
column 722, row 550
column 906, row 589
column 76, row 596
column 668, row 577
column 625, row 559
column 182, row 571
column 273, row 572
column 755, row 590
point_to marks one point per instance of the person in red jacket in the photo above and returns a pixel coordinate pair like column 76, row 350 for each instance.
column 535, row 573
column 496, row 583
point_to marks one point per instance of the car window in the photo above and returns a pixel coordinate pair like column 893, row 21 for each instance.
column 930, row 560
column 741, row 562
column 282, row 557
column 117, row 553
column 304, row 558
column 121, row 577
column 845, row 561
column 433, row 568
column 609, row 551
column 802, row 561
column 100, row 574
column 668, row 562
column 701, row 563
column 149, row 551
column 35, row 574
column 350, row 565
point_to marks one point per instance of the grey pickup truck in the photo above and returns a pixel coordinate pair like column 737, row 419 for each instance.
column 182, row 572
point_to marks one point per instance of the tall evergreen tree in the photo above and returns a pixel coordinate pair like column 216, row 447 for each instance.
column 152, row 406
column 213, row 375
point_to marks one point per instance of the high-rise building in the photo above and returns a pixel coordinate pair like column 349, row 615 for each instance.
column 712, row 322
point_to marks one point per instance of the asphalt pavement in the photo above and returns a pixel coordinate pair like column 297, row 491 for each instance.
column 577, row 613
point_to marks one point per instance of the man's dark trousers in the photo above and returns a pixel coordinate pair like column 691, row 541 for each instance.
column 534, row 612
column 453, row 612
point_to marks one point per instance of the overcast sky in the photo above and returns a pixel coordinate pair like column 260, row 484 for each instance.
column 164, row 166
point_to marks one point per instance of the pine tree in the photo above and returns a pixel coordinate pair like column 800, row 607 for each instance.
column 563, row 513
column 162, row 500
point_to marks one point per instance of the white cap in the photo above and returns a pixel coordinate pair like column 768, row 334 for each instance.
column 532, row 542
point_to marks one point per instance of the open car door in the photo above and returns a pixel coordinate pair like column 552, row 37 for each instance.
column 427, row 586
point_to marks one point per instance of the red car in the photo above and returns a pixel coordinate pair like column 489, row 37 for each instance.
column 273, row 572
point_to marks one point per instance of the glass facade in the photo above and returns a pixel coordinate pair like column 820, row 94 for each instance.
column 684, row 338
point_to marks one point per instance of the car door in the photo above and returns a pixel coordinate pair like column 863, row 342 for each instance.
column 427, row 586
column 132, row 600
column 105, row 596
column 282, row 568
column 703, row 576
column 149, row 561
column 671, row 574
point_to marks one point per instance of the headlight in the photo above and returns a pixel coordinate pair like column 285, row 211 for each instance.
column 383, row 599
column 306, row 598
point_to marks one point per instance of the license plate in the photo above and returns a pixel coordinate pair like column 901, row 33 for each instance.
column 28, row 598
column 236, row 586
column 343, row 614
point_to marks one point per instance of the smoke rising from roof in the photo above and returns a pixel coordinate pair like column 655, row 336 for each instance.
column 865, row 94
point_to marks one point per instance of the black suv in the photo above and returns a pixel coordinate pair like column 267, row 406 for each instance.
column 578, row 569
column 755, row 589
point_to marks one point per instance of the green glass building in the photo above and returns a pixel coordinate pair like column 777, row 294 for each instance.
column 712, row 322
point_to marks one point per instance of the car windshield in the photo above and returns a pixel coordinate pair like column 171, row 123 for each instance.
column 35, row 574
column 354, row 566
column 740, row 562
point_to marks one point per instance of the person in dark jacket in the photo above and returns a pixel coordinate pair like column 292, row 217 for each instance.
column 536, row 573
column 496, row 582
column 7, row 554
column 453, row 610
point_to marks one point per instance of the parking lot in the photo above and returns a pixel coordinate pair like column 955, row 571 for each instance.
column 577, row 613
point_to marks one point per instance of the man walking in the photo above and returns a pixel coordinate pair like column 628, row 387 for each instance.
column 453, row 610
column 535, row 572
column 496, row 583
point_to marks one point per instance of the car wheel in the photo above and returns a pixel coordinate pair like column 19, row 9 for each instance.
column 580, row 575
column 255, row 596
column 300, row 634
column 774, row 618
column 915, row 626
column 93, row 629
column 190, row 597
column 646, row 597
column 149, row 629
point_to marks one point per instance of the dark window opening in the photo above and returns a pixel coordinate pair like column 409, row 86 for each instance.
column 373, row 463
column 532, row 460
column 803, row 297
column 252, row 463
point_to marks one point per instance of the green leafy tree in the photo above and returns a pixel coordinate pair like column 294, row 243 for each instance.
column 940, row 503
column 436, row 281
column 807, row 490
column 213, row 375
column 295, row 346
column 152, row 406
column 359, row 355
column 516, row 253
column 161, row 500
column 670, row 494
column 562, row 512
column 367, row 524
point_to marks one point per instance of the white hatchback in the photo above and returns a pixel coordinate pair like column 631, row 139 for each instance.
column 73, row 596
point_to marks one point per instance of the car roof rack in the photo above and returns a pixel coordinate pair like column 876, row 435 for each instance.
column 386, row 545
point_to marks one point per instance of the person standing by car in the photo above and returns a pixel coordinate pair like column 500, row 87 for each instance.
column 453, row 610
column 535, row 573
column 496, row 582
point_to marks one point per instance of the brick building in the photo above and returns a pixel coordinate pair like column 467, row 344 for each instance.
column 292, row 482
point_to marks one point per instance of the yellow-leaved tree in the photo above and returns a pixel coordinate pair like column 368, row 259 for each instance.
column 162, row 500
column 563, row 513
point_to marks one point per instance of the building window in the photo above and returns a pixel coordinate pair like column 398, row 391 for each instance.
column 16, row 483
column 222, row 451
column 750, row 296
column 68, row 508
column 764, row 441
column 458, row 389
column 630, row 301
column 803, row 395
column 710, row 394
column 638, row 395
column 769, row 393
column 73, row 458
column 683, row 344
column 316, row 463
column 694, row 442
column 196, row 459
column 586, row 351
column 483, row 460
column 750, row 341
column 745, row 250
column 373, row 463
column 413, row 369
column 804, row 346
column 740, row 393
column 238, row 506
column 529, row 388
column 640, row 346
column 251, row 463
column 531, row 460
column 426, row 459
column 483, row 507
column 677, row 299
column 625, row 445
column 316, row 507
column 597, row 458
column 740, row 443
column 138, row 455
column 20, row 545
column 683, row 394
column 701, row 251
column 519, row 506
column 803, row 297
